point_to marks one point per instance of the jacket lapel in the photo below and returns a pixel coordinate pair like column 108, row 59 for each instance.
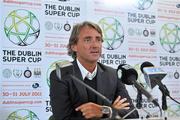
column 101, row 78
column 100, row 83
column 81, row 89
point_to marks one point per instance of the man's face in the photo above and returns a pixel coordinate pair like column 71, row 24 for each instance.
column 89, row 45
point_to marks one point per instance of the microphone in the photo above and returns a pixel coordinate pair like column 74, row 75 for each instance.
column 66, row 68
column 153, row 76
column 129, row 75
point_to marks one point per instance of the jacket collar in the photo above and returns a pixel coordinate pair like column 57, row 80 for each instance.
column 82, row 89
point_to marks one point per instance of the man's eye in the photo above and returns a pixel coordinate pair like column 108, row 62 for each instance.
column 87, row 40
column 99, row 40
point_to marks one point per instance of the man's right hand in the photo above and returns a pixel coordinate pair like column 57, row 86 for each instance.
column 120, row 103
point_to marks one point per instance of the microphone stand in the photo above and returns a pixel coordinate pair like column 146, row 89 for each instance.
column 164, row 105
column 139, row 104
column 139, row 99
column 165, row 93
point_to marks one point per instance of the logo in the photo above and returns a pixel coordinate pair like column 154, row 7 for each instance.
column 27, row 73
column 17, row 73
column 37, row 72
column 7, row 73
column 113, row 33
column 176, row 75
column 22, row 27
column 22, row 114
column 67, row 27
column 151, row 43
column 178, row 5
column 173, row 110
column 35, row 85
column 57, row 26
column 48, row 25
column 143, row 4
column 141, row 32
column 170, row 38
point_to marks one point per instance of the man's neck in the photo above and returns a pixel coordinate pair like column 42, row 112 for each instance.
column 90, row 66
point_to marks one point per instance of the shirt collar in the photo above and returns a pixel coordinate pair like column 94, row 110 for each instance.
column 86, row 73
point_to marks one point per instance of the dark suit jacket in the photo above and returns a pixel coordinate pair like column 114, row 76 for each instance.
column 67, row 94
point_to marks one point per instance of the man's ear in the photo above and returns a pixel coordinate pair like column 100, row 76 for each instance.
column 74, row 48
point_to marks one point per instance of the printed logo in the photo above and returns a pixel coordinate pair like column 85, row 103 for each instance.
column 141, row 32
column 17, row 73
column 57, row 26
column 22, row 27
column 178, row 5
column 176, row 75
column 35, row 85
column 27, row 73
column 23, row 114
column 113, row 33
column 143, row 4
column 173, row 110
column 67, row 27
column 170, row 38
column 7, row 73
column 48, row 25
column 37, row 72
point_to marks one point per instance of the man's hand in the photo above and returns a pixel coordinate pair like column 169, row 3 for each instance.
column 90, row 110
column 120, row 103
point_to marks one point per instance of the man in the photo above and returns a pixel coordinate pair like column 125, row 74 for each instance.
column 70, row 100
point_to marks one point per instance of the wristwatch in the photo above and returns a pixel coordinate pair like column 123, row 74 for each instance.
column 106, row 111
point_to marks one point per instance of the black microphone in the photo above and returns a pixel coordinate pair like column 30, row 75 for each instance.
column 66, row 68
column 153, row 76
column 129, row 75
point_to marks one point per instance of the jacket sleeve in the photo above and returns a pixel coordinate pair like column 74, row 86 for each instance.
column 60, row 99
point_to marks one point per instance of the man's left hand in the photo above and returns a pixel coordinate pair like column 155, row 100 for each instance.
column 90, row 110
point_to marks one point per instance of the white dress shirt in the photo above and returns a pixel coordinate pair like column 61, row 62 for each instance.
column 86, row 73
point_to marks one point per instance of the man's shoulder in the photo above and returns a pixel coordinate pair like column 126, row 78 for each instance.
column 106, row 67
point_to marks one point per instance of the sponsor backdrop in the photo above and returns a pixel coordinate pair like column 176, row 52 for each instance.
column 34, row 35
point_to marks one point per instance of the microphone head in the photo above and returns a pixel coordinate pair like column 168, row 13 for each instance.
column 146, row 64
column 127, row 74
column 153, row 75
column 63, row 68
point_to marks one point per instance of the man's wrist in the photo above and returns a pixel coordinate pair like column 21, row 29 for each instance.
column 106, row 111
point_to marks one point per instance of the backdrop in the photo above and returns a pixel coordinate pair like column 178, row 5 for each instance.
column 34, row 35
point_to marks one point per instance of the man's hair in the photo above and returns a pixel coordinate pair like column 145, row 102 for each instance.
column 75, row 33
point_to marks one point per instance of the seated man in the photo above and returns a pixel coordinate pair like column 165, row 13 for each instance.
column 70, row 100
